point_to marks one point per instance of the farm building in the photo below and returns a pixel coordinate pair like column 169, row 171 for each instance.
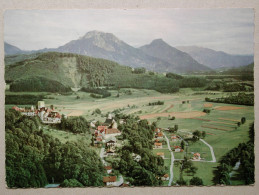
column 110, row 180
column 196, row 157
column 136, row 157
column 159, row 135
column 158, row 145
column 178, row 149
column 165, row 177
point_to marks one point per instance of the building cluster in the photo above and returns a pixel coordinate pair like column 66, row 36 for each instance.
column 106, row 134
column 47, row 115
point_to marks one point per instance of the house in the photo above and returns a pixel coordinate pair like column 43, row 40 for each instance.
column 161, row 154
column 122, row 121
column 41, row 104
column 53, row 117
column 102, row 129
column 177, row 149
column 92, row 123
column 159, row 135
column 110, row 153
column 196, row 157
column 157, row 130
column 25, row 111
column 165, row 177
column 110, row 180
column 158, row 145
column 174, row 138
column 111, row 142
column 136, row 157
column 108, row 169
column 110, row 123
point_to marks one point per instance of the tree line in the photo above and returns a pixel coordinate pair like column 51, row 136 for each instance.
column 102, row 92
column 23, row 99
column 34, row 159
column 240, row 98
column 243, row 153
column 38, row 84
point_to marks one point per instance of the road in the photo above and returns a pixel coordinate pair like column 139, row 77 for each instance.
column 172, row 162
column 121, row 180
column 211, row 150
column 102, row 155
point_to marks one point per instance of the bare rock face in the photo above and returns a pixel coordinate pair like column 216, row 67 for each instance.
column 69, row 67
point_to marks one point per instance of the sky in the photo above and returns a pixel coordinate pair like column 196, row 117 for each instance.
column 228, row 30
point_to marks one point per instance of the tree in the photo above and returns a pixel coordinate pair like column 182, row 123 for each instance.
column 196, row 135
column 203, row 134
column 196, row 181
column 71, row 183
column 182, row 144
column 176, row 127
column 243, row 120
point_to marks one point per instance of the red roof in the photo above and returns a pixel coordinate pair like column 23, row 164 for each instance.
column 112, row 131
column 16, row 108
column 160, row 134
column 108, row 167
column 101, row 128
column 109, row 179
column 166, row 175
column 158, row 144
column 197, row 154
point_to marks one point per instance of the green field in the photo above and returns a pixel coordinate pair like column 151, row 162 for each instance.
column 137, row 103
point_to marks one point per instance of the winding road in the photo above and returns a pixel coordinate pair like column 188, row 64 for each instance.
column 211, row 150
column 172, row 162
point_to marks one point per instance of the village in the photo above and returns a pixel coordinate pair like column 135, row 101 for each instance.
column 168, row 145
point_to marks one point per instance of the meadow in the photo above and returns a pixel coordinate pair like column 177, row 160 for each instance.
column 220, row 125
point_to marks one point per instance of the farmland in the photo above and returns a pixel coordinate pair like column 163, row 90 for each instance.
column 220, row 125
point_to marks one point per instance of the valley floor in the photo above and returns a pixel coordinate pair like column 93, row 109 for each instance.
column 222, row 132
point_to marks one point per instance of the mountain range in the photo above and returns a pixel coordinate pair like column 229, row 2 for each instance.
column 156, row 56
column 216, row 59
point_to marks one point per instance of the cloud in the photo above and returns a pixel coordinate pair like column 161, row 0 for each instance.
column 229, row 30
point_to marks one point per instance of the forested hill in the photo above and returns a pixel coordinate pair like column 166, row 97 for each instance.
column 73, row 70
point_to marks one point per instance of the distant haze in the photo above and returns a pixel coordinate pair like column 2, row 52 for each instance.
column 228, row 30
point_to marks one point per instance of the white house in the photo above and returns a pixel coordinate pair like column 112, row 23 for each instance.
column 165, row 177
column 108, row 169
column 136, row 157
